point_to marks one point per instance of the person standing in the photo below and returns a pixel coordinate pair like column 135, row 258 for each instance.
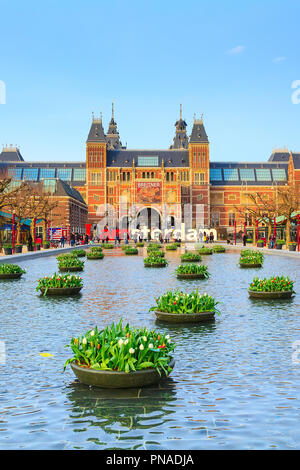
column 62, row 241
column 244, row 239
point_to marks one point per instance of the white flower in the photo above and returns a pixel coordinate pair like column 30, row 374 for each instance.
column 141, row 347
column 120, row 342
column 169, row 341
column 167, row 336
column 84, row 341
column 92, row 333
column 131, row 351
column 126, row 341
column 205, row 293
column 144, row 338
column 150, row 346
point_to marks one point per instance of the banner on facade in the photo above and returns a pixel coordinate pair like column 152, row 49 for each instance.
column 148, row 193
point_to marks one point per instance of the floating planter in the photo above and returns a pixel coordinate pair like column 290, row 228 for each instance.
column 154, row 261
column 7, row 249
column 131, row 251
column 219, row 249
column 60, row 285
column 277, row 287
column 79, row 253
column 71, row 263
column 107, row 246
column 10, row 271
column 205, row 250
column 190, row 257
column 140, row 244
column 192, row 271
column 171, row 247
column 156, row 253
column 95, row 253
column 177, row 307
column 121, row 357
column 251, row 259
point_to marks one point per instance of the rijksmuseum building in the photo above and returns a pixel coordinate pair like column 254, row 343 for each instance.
column 161, row 188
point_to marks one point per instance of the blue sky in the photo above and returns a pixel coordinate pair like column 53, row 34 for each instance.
column 232, row 61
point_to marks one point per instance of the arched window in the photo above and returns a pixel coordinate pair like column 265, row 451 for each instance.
column 148, row 174
column 152, row 174
column 144, row 175
column 123, row 176
column 172, row 176
column 168, row 176
column 128, row 176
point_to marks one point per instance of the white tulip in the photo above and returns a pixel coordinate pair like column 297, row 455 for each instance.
column 144, row 338
column 120, row 342
column 126, row 341
column 150, row 346
column 141, row 347
column 84, row 341
column 92, row 333
column 131, row 351
column 167, row 336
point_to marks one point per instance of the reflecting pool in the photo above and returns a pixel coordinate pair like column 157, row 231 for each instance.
column 234, row 386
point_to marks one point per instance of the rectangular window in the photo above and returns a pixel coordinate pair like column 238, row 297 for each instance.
column 231, row 174
column 247, row 174
column 231, row 197
column 15, row 173
column 49, row 185
column 147, row 161
column 47, row 173
column 111, row 201
column 199, row 178
column 79, row 174
column 215, row 219
column 64, row 174
column 263, row 174
column 279, row 174
column 231, row 219
column 216, row 174
column 95, row 178
column 30, row 174
column 96, row 197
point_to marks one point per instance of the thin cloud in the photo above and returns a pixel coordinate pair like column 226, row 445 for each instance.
column 236, row 50
column 279, row 59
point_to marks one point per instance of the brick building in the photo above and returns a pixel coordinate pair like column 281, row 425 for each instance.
column 162, row 188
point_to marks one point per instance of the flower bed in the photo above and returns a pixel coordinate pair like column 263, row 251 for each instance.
column 154, row 261
column 204, row 250
column 121, row 357
column 279, row 244
column 251, row 259
column 140, row 244
column 131, row 251
column 292, row 246
column 157, row 253
column 219, row 249
column 95, row 254
column 60, row 285
column 192, row 271
column 275, row 287
column 71, row 263
column 107, row 246
column 79, row 253
column 7, row 249
column 180, row 307
column 11, row 271
column 190, row 257
column 171, row 247
column 155, row 246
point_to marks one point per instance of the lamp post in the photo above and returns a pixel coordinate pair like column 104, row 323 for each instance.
column 13, row 232
column 235, row 232
column 34, row 223
column 298, row 232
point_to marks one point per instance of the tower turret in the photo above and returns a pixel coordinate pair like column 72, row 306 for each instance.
column 180, row 140
column 112, row 136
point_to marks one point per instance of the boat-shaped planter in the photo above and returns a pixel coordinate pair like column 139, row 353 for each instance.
column 100, row 256
column 184, row 317
column 116, row 379
column 71, row 269
column 270, row 295
column 10, row 275
column 61, row 290
column 155, row 265
column 190, row 276
column 250, row 265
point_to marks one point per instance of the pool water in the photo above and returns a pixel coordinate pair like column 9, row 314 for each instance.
column 234, row 386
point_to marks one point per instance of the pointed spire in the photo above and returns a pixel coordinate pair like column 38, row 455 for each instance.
column 112, row 137
column 180, row 140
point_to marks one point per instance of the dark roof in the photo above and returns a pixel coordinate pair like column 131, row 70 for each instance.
column 11, row 154
column 63, row 189
column 296, row 160
column 279, row 156
column 124, row 158
column 198, row 134
column 96, row 133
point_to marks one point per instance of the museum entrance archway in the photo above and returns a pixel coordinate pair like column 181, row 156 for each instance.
column 149, row 217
